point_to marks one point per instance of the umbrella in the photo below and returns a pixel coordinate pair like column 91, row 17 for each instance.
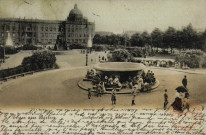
column 181, row 89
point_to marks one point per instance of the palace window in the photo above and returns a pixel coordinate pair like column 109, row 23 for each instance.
column 8, row 28
column 13, row 28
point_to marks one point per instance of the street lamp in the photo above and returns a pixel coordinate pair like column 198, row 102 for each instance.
column 89, row 46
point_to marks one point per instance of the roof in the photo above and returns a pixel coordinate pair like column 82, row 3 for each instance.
column 119, row 66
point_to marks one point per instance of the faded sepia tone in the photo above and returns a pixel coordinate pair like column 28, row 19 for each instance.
column 102, row 67
column 58, row 88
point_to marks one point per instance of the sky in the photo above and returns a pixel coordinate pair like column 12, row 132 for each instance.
column 114, row 15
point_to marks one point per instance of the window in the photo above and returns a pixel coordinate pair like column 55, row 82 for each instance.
column 13, row 28
column 46, row 34
column 46, row 28
column 42, row 28
column 2, row 27
column 13, row 34
column 2, row 34
column 7, row 28
column 50, row 28
column 42, row 35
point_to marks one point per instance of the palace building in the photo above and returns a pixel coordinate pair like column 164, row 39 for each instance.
column 74, row 30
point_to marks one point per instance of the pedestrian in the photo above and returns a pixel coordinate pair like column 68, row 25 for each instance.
column 113, row 98
column 134, row 94
column 99, row 89
column 184, row 81
column 89, row 93
column 165, row 99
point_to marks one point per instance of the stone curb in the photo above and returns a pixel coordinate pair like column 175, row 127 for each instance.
column 179, row 70
column 86, row 88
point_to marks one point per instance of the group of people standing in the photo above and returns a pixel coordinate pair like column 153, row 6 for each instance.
column 181, row 101
column 148, row 77
column 137, row 84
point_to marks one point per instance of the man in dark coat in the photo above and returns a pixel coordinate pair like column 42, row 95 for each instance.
column 165, row 99
column 184, row 81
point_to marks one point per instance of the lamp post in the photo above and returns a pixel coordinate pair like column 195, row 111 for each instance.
column 89, row 46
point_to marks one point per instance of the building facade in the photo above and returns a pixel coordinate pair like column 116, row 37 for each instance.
column 74, row 30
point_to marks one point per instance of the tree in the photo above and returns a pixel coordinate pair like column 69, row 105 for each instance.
column 156, row 38
column 136, row 40
column 146, row 39
column 189, row 37
column 169, row 38
column 97, row 39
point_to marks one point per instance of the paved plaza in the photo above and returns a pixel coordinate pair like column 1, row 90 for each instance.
column 58, row 88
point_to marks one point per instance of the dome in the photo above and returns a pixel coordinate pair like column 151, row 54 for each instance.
column 75, row 14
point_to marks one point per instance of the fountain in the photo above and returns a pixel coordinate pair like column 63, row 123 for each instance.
column 9, row 41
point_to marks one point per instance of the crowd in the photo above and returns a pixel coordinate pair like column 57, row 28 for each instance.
column 139, row 83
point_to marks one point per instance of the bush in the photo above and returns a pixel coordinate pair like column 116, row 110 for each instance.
column 29, row 47
column 193, row 59
column 120, row 55
column 77, row 46
column 40, row 60
column 136, row 52
column 98, row 48
column 8, row 50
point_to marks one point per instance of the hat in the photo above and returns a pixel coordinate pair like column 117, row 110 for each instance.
column 181, row 89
